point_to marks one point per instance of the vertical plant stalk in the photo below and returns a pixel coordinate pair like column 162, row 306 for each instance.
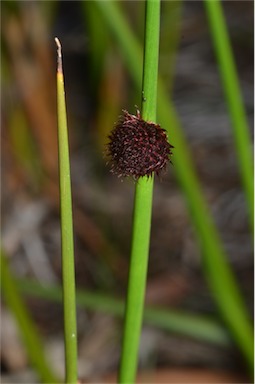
column 142, row 207
column 68, row 273
column 233, row 97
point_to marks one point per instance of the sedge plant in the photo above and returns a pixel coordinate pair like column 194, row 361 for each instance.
column 142, row 207
column 218, row 273
column 68, row 272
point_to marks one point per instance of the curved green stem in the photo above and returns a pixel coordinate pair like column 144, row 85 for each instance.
column 234, row 99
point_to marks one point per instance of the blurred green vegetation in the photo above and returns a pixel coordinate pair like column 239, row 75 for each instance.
column 113, row 75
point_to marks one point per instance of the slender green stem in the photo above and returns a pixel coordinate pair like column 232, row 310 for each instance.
column 25, row 323
column 137, row 280
column 142, row 207
column 233, row 97
column 68, row 272
column 150, row 61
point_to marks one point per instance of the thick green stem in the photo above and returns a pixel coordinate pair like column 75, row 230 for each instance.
column 142, row 207
column 68, row 272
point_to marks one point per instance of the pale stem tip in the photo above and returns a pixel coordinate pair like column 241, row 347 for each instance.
column 58, row 46
column 59, row 54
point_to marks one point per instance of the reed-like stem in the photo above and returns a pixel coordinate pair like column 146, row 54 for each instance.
column 142, row 207
column 68, row 272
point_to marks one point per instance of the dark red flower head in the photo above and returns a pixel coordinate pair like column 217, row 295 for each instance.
column 137, row 147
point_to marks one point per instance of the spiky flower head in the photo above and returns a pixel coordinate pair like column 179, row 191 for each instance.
column 137, row 147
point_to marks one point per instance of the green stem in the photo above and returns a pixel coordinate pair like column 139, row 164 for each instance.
column 233, row 95
column 28, row 331
column 137, row 280
column 68, row 272
column 142, row 207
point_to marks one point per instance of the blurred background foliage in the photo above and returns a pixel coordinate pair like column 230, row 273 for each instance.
column 98, row 85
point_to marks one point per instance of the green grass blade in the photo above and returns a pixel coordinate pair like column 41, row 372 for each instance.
column 127, row 43
column 142, row 207
column 170, row 36
column 217, row 271
column 233, row 96
column 196, row 326
column 28, row 331
column 68, row 273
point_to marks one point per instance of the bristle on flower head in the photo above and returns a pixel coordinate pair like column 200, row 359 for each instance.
column 137, row 148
